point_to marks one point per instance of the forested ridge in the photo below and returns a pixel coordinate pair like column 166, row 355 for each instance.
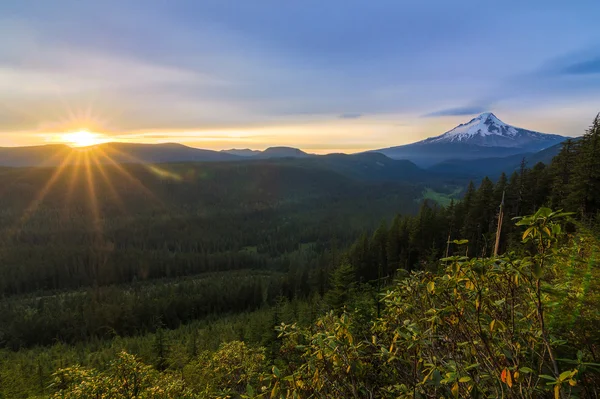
column 417, row 306
column 110, row 250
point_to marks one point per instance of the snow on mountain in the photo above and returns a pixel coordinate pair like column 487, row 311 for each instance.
column 484, row 125
column 489, row 131
column 482, row 137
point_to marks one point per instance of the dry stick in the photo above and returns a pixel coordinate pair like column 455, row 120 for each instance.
column 499, row 229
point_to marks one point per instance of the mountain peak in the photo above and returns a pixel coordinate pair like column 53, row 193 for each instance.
column 488, row 116
column 481, row 137
column 487, row 125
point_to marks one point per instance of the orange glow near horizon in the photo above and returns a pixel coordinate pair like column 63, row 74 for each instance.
column 82, row 138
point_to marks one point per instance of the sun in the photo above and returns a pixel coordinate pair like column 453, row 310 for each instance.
column 82, row 138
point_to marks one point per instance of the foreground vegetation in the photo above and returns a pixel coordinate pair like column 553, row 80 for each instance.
column 483, row 327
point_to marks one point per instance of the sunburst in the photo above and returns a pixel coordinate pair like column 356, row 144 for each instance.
column 82, row 138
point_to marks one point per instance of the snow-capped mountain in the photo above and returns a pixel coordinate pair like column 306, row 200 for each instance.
column 481, row 137
column 487, row 130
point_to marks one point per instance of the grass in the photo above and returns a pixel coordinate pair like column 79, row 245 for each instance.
column 443, row 199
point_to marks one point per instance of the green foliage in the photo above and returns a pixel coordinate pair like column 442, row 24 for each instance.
column 342, row 286
column 234, row 369
column 509, row 326
column 126, row 377
column 482, row 328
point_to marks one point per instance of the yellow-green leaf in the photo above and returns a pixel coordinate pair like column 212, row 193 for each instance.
column 564, row 375
column 529, row 230
column 455, row 390
column 431, row 287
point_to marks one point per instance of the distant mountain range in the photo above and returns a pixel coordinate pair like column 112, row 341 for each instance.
column 55, row 154
column 271, row 152
column 482, row 137
column 483, row 146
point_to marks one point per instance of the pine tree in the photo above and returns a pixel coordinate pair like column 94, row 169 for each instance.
column 500, row 187
column 160, row 349
column 342, row 286
column 379, row 251
column 521, row 185
column 482, row 214
column 393, row 245
column 561, row 172
column 585, row 187
column 468, row 223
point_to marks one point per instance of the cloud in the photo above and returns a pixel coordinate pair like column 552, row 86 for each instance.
column 203, row 66
column 587, row 67
column 460, row 111
column 350, row 115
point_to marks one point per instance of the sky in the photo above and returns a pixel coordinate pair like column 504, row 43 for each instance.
column 324, row 76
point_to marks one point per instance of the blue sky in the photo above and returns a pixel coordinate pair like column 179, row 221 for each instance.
column 321, row 75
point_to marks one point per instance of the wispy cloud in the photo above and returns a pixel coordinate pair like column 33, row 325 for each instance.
column 587, row 67
column 350, row 116
column 460, row 111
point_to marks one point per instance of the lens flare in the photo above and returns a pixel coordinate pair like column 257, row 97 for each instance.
column 82, row 138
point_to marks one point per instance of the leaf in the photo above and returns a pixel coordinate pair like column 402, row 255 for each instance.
column 557, row 391
column 464, row 379
column 276, row 372
column 455, row 390
column 492, row 324
column 537, row 270
column 525, row 370
column 460, row 242
column 547, row 231
column 275, row 390
column 506, row 377
column 543, row 212
column 526, row 233
column 437, row 377
column 431, row 287
column 564, row 375
column 509, row 381
column 250, row 390
column 572, row 382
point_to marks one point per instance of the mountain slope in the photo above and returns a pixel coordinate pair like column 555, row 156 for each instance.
column 242, row 152
column 42, row 155
column 489, row 131
column 56, row 154
column 372, row 167
column 271, row 152
column 493, row 166
column 162, row 153
column 282, row 152
column 481, row 137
